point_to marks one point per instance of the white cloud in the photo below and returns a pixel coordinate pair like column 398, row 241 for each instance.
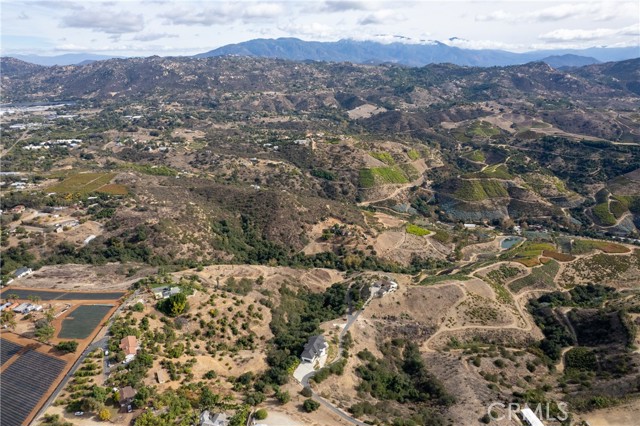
column 153, row 36
column 574, row 35
column 314, row 31
column 224, row 13
column 105, row 21
column 483, row 44
column 348, row 5
column 602, row 11
column 380, row 17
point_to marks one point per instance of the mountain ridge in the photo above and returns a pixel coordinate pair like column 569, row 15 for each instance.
column 373, row 52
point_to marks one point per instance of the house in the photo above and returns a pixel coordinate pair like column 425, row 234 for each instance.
column 386, row 287
column 127, row 394
column 165, row 292
column 316, row 347
column 129, row 346
column 23, row 272
column 217, row 419
column 529, row 417
column 161, row 376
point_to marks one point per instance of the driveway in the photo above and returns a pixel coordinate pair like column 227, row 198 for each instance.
column 306, row 368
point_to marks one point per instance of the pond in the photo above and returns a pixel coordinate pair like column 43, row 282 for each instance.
column 509, row 242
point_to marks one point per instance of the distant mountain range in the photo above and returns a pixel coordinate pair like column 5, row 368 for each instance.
column 371, row 52
column 415, row 54
column 66, row 59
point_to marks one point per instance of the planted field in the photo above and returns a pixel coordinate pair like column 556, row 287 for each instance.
column 413, row 154
column 482, row 129
column 82, row 321
column 540, row 277
column 597, row 268
column 528, row 253
column 478, row 190
column 417, row 230
column 7, row 350
column 385, row 157
column 562, row 257
column 24, row 383
column 603, row 215
column 24, row 294
column 382, row 175
column 114, row 189
column 498, row 171
column 476, row 155
column 585, row 246
column 82, row 183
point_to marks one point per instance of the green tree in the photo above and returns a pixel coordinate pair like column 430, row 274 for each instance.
column 8, row 318
column 283, row 397
column 309, row 405
column 261, row 414
column 67, row 346
column 175, row 305
column 105, row 414
column 45, row 332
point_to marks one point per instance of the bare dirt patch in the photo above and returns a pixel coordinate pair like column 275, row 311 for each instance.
column 112, row 276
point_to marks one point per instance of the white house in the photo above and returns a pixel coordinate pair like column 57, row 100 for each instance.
column 209, row 419
column 165, row 292
column 23, row 272
column 315, row 348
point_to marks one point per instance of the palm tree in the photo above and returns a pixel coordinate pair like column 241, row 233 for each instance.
column 8, row 318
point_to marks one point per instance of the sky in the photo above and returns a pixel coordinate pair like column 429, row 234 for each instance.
column 186, row 27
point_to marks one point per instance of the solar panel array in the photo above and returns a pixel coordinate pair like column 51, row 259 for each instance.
column 58, row 295
column 24, row 383
column 7, row 350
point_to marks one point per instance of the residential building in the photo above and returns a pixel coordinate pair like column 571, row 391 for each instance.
column 127, row 394
column 23, row 272
column 129, row 346
column 315, row 348
column 165, row 292
column 217, row 419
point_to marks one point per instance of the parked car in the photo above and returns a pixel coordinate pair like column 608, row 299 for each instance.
column 79, row 413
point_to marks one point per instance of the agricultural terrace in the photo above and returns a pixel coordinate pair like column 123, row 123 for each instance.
column 85, row 183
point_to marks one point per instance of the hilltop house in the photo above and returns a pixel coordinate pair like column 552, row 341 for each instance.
column 315, row 348
column 383, row 287
column 217, row 419
column 165, row 292
column 23, row 272
column 129, row 346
